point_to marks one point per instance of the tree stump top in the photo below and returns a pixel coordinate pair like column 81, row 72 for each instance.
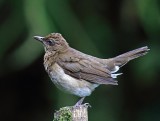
column 72, row 113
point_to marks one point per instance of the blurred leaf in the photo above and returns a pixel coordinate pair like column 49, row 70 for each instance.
column 70, row 25
column 102, row 34
column 9, row 30
column 149, row 13
column 30, row 50
column 146, row 67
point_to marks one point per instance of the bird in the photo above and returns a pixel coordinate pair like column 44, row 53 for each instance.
column 78, row 73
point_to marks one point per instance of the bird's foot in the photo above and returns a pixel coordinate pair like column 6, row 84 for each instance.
column 86, row 105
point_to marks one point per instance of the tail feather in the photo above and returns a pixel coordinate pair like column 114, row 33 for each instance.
column 115, row 63
column 134, row 53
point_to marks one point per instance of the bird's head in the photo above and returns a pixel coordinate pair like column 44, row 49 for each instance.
column 53, row 42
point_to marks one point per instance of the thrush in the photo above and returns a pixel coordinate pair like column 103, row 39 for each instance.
column 77, row 73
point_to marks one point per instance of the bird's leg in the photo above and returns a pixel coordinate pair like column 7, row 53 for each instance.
column 79, row 102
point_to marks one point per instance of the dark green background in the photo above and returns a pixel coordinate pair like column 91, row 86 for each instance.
column 102, row 28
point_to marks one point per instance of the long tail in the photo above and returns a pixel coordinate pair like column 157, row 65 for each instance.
column 115, row 63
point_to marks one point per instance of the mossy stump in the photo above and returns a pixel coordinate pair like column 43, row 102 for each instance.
column 72, row 113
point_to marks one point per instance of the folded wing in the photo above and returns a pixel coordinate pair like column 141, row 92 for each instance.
column 88, row 70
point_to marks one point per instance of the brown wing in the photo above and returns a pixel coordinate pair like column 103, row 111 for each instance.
column 89, row 70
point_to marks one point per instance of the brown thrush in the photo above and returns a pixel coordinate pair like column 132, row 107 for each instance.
column 77, row 73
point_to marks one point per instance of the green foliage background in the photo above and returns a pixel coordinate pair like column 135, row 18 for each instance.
column 102, row 28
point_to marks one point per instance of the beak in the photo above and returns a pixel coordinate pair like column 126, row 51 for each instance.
column 39, row 38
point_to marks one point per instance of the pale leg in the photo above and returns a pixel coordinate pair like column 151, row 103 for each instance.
column 79, row 102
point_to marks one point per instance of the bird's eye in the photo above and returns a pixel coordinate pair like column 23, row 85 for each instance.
column 50, row 42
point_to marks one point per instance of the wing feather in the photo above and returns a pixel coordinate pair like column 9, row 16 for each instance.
column 89, row 70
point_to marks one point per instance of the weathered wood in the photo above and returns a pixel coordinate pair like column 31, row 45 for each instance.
column 72, row 113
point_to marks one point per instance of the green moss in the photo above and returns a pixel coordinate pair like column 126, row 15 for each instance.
column 64, row 114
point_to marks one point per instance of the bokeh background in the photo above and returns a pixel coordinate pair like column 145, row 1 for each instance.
column 102, row 28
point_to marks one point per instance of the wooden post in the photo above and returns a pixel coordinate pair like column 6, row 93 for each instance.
column 72, row 113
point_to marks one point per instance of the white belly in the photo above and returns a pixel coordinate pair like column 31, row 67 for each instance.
column 69, row 84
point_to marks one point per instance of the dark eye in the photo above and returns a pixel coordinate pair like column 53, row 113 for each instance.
column 50, row 42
